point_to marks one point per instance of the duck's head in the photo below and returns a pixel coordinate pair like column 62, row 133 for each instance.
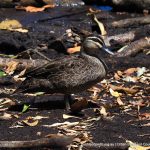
column 93, row 44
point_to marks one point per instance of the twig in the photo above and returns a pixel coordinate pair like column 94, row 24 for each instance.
column 54, row 141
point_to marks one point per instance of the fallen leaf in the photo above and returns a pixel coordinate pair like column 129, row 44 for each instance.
column 20, row 30
column 134, row 146
column 101, row 111
column 119, row 101
column 19, row 77
column 124, row 89
column 5, row 103
column 120, row 73
column 114, row 93
column 34, row 9
column 66, row 123
column 25, row 108
column 79, row 105
column 73, row 49
column 130, row 71
column 11, row 67
column 39, row 117
column 101, row 26
column 30, row 121
column 116, row 76
column 130, row 79
column 146, row 125
column 145, row 116
column 141, row 71
column 6, row 116
column 12, row 25
column 94, row 11
column 65, row 116
column 2, row 74
column 95, row 91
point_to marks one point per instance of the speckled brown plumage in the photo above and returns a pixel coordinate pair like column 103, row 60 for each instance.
column 69, row 74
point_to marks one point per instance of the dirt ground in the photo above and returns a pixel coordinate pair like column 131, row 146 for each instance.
column 119, row 125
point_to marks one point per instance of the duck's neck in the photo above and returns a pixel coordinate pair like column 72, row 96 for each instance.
column 96, row 55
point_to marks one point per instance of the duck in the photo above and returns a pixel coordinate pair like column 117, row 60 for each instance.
column 69, row 74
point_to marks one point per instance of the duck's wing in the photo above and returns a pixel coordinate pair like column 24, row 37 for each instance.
column 55, row 67
column 66, row 75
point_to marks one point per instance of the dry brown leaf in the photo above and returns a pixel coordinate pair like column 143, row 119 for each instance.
column 95, row 91
column 145, row 116
column 130, row 71
column 30, row 121
column 119, row 101
column 6, row 116
column 11, row 67
column 5, row 103
column 120, row 73
column 116, row 76
column 94, row 11
column 124, row 89
column 34, row 9
column 74, row 49
column 79, row 105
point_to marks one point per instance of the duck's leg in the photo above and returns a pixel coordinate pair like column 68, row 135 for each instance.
column 68, row 101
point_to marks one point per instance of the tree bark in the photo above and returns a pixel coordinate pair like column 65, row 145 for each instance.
column 131, row 21
column 53, row 141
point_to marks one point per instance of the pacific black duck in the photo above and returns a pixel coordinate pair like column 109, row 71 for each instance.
column 69, row 74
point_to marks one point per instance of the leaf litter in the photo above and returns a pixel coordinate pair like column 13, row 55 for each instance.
column 117, row 88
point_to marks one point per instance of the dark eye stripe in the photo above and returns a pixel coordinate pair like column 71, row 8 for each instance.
column 98, row 40
column 96, row 43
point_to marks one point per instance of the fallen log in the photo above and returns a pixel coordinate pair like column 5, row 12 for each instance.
column 131, row 22
column 119, row 58
column 132, row 35
column 134, row 48
column 22, row 63
column 104, row 146
column 52, row 141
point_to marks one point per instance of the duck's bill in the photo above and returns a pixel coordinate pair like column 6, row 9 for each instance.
column 108, row 51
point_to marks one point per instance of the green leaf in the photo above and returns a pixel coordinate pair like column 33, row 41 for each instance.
column 2, row 74
column 25, row 108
